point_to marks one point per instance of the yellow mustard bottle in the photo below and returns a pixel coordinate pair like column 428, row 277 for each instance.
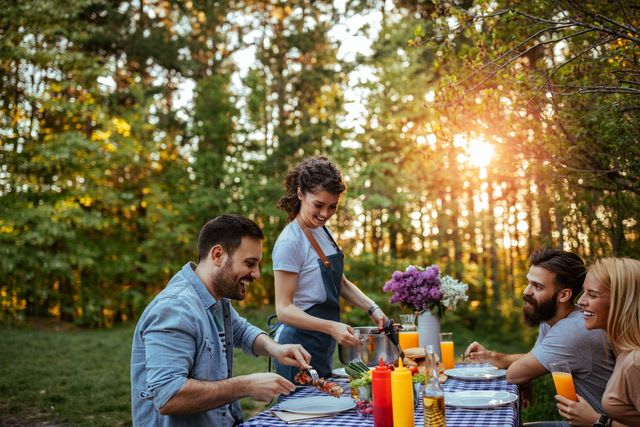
column 402, row 396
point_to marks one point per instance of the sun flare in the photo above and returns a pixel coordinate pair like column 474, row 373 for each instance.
column 477, row 151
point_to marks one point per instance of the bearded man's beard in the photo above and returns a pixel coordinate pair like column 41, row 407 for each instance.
column 539, row 312
column 226, row 282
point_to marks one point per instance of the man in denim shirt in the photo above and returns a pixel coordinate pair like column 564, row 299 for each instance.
column 182, row 354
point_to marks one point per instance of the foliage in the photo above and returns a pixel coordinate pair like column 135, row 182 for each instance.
column 110, row 163
column 544, row 82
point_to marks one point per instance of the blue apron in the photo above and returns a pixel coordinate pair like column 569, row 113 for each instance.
column 320, row 345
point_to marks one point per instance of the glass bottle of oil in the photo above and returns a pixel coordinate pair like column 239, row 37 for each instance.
column 432, row 394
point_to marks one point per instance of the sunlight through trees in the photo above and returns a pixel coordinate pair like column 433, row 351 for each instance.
column 469, row 132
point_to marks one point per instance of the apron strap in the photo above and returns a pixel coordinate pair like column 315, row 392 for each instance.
column 273, row 328
column 314, row 243
column 331, row 237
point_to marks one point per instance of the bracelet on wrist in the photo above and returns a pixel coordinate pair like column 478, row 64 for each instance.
column 373, row 307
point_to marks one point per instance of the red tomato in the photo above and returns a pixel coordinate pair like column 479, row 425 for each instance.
column 414, row 370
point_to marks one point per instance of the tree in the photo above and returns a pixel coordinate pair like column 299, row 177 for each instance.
column 567, row 71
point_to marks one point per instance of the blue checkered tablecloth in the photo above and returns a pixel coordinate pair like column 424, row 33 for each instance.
column 507, row 415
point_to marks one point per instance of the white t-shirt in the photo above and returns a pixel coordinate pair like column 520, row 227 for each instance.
column 293, row 252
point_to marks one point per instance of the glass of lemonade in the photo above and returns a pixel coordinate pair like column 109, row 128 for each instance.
column 563, row 380
column 446, row 349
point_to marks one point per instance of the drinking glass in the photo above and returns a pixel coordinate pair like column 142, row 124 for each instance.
column 361, row 338
column 408, row 335
column 563, row 380
column 408, row 322
column 446, row 349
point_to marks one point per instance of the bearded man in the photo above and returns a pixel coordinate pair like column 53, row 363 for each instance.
column 182, row 353
column 555, row 280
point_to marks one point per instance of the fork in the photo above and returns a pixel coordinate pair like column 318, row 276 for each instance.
column 314, row 374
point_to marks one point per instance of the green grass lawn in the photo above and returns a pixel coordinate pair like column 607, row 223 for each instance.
column 68, row 375
column 79, row 377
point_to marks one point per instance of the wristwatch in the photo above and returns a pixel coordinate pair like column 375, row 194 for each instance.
column 373, row 307
column 603, row 421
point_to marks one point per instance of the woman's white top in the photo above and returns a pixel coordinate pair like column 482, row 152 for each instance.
column 293, row 253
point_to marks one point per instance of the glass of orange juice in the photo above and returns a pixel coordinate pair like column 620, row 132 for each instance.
column 446, row 349
column 563, row 380
column 408, row 336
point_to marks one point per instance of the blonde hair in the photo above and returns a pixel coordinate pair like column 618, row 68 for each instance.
column 621, row 276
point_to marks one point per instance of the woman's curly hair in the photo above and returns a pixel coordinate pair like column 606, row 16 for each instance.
column 311, row 176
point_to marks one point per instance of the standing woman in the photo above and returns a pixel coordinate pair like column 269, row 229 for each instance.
column 308, row 268
column 611, row 301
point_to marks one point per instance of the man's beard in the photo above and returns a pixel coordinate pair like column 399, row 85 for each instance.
column 226, row 282
column 540, row 312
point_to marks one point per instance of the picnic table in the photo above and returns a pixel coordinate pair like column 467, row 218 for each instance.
column 506, row 415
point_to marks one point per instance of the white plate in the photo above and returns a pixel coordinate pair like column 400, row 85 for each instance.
column 317, row 405
column 477, row 399
column 476, row 373
column 340, row 372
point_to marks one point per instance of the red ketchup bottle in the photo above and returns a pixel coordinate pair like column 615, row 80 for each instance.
column 381, row 384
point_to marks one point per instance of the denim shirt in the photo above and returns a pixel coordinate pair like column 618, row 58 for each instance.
column 176, row 339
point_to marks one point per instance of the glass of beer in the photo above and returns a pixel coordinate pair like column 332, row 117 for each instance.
column 446, row 349
column 563, row 380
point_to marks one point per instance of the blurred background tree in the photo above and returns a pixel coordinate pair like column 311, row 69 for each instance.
column 469, row 132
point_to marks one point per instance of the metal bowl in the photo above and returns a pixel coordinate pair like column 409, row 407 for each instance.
column 374, row 345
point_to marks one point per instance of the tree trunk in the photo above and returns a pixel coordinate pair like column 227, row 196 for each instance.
column 493, row 252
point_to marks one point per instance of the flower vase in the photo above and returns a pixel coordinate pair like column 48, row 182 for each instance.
column 429, row 330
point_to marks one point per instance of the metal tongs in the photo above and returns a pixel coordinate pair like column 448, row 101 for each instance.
column 391, row 330
column 389, row 324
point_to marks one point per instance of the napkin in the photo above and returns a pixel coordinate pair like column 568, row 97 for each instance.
column 294, row 417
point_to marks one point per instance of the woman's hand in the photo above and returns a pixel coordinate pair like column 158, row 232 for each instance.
column 378, row 317
column 578, row 413
column 343, row 333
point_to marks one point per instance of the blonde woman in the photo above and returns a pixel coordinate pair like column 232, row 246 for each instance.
column 611, row 301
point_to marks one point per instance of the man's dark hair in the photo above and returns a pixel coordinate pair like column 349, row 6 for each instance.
column 227, row 231
column 569, row 268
